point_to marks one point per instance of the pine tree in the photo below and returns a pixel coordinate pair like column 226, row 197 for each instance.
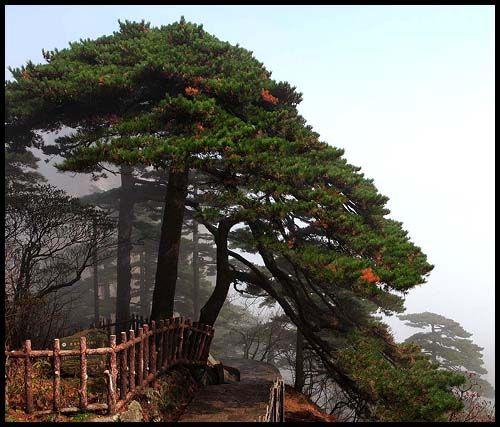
column 447, row 343
column 178, row 99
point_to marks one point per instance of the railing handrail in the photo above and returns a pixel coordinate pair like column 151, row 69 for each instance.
column 275, row 411
column 173, row 341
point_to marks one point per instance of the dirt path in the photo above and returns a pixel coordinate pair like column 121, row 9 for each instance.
column 245, row 400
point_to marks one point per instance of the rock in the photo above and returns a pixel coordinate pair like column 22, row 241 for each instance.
column 133, row 413
column 111, row 419
column 231, row 375
column 211, row 360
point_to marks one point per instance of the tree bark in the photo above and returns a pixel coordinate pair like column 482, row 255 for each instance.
column 210, row 311
column 300, row 378
column 142, row 281
column 96, row 284
column 196, row 271
column 123, row 270
column 168, row 251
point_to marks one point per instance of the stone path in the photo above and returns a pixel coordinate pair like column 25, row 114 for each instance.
column 245, row 400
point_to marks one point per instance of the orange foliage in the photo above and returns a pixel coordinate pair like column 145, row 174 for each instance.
column 266, row 96
column 369, row 275
column 191, row 91
column 101, row 81
column 199, row 130
column 26, row 74
column 198, row 79
column 332, row 268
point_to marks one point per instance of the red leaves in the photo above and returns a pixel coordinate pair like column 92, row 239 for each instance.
column 266, row 96
column 198, row 79
column 369, row 275
column 101, row 81
column 199, row 129
column 191, row 91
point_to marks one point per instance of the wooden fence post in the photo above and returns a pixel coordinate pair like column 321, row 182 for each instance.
column 181, row 339
column 168, row 357
column 83, row 373
column 123, row 368
column 57, row 375
column 201, row 348
column 187, row 338
column 152, row 352
column 160, row 344
column 113, row 375
column 282, row 402
column 27, row 377
column 131, row 357
column 194, row 339
column 140, row 364
column 7, row 377
column 146, row 350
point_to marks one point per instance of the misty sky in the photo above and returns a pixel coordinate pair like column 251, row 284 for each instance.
column 407, row 91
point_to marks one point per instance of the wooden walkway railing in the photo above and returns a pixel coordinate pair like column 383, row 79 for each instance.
column 110, row 327
column 132, row 364
column 276, row 409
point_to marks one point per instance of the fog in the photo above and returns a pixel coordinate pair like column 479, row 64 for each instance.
column 407, row 92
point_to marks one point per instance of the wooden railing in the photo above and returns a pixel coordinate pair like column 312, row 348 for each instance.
column 132, row 364
column 110, row 327
column 276, row 409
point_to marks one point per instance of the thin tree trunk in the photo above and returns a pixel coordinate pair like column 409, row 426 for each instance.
column 142, row 281
column 210, row 311
column 300, row 378
column 196, row 271
column 124, row 275
column 150, row 249
column 168, row 251
column 106, row 300
column 96, row 283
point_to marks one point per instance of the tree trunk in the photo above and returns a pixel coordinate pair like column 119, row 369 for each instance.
column 96, row 284
column 123, row 270
column 210, row 311
column 196, row 272
column 150, row 249
column 300, row 378
column 142, row 281
column 168, row 251
column 106, row 300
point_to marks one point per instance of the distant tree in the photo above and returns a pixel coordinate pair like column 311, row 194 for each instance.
column 49, row 241
column 446, row 342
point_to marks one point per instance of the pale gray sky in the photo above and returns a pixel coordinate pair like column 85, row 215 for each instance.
column 407, row 91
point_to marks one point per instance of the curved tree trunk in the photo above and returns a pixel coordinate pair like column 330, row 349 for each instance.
column 210, row 311
column 123, row 271
column 168, row 251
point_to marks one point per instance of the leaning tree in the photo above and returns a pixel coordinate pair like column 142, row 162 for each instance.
column 176, row 98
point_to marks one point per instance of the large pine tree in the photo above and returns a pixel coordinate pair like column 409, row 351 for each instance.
column 179, row 99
